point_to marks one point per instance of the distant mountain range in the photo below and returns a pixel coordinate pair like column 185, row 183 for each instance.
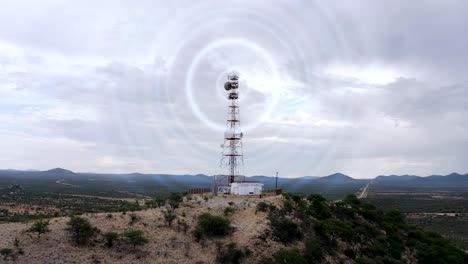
column 142, row 182
column 454, row 180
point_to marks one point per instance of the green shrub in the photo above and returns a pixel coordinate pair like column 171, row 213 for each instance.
column 230, row 254
column 272, row 207
column 212, row 225
column 81, row 229
column 169, row 217
column 110, row 238
column 352, row 200
column 334, row 229
column 135, row 237
column 229, row 210
column 314, row 250
column 285, row 230
column 6, row 252
column 317, row 207
column 316, row 198
column 134, row 218
column 288, row 206
column 262, row 207
column 175, row 199
column 283, row 256
column 156, row 202
column 40, row 227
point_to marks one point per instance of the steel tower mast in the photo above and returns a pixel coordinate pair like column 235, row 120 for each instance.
column 232, row 159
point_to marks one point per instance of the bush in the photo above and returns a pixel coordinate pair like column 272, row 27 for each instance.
column 314, row 250
column 175, row 199
column 316, row 198
column 135, row 237
column 262, row 207
column 229, row 210
column 231, row 254
column 212, row 225
column 134, row 218
column 6, row 252
column 169, row 216
column 282, row 256
column 156, row 202
column 110, row 238
column 40, row 227
column 318, row 207
column 352, row 200
column 334, row 228
column 285, row 230
column 80, row 229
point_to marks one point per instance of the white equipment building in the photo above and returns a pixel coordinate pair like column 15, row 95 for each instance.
column 246, row 188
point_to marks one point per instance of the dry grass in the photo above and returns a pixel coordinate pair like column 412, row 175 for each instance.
column 166, row 244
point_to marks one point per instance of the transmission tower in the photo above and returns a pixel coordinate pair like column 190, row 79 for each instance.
column 232, row 159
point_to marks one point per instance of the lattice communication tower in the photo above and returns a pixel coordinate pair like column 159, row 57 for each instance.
column 232, row 157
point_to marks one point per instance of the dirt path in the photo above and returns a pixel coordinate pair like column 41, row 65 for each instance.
column 99, row 197
column 437, row 214
column 136, row 194
column 67, row 184
column 364, row 191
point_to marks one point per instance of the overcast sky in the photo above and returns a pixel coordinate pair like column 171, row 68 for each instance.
column 359, row 87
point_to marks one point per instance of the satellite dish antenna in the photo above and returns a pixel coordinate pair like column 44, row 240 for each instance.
column 228, row 86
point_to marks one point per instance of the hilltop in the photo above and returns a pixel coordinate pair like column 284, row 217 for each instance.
column 269, row 230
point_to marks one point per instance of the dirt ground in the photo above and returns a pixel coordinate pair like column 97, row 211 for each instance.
column 166, row 244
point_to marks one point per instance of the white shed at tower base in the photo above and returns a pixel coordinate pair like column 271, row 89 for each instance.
column 246, row 188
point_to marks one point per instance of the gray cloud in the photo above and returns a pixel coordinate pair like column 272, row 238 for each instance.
column 364, row 88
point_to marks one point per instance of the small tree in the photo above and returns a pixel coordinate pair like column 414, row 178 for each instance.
column 134, row 218
column 6, row 252
column 40, row 227
column 110, row 238
column 212, row 225
column 135, row 237
column 81, row 229
column 175, row 199
column 16, row 243
column 169, row 216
